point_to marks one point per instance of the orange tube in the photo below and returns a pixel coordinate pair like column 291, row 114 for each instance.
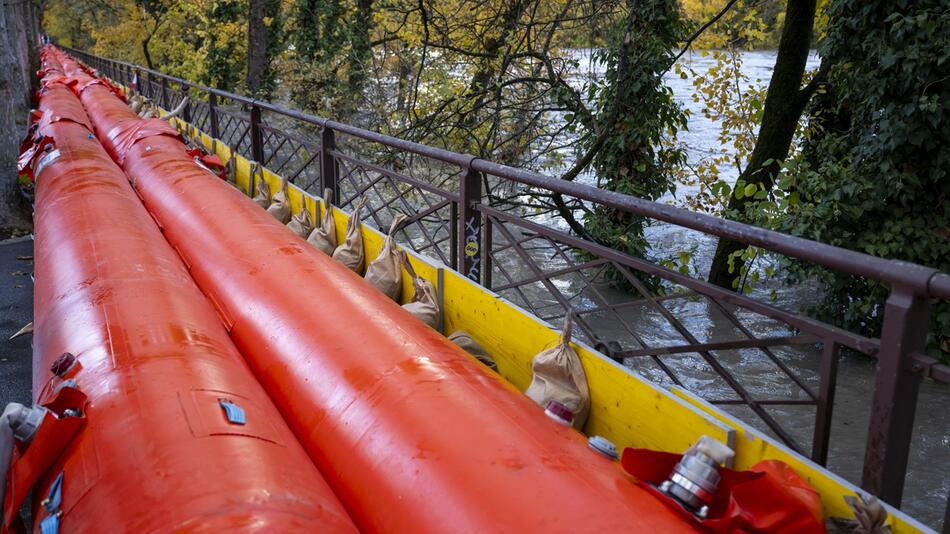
column 157, row 452
column 412, row 434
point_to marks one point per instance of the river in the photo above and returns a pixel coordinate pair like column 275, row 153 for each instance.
column 928, row 476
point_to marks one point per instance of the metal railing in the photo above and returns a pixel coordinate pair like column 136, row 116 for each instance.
column 552, row 272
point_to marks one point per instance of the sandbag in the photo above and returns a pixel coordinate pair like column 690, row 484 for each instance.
column 231, row 163
column 469, row 345
column 425, row 302
column 385, row 272
column 350, row 252
column 323, row 235
column 301, row 223
column 280, row 204
column 136, row 103
column 559, row 376
column 261, row 189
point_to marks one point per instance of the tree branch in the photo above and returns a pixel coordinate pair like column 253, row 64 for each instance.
column 697, row 33
column 819, row 79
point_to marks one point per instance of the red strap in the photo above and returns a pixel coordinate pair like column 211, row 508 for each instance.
column 211, row 161
column 770, row 497
column 129, row 132
column 52, row 437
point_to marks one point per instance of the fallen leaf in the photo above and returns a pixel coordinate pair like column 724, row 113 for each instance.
column 24, row 257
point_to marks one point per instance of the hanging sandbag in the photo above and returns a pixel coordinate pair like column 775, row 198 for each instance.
column 559, row 376
column 136, row 103
column 261, row 189
column 231, row 164
column 301, row 223
column 385, row 272
column 350, row 252
column 280, row 205
column 425, row 302
column 469, row 345
column 323, row 235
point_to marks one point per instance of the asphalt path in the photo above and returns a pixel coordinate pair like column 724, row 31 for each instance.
column 16, row 310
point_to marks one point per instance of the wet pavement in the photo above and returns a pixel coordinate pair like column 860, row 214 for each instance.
column 16, row 310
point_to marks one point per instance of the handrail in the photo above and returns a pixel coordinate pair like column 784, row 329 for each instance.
column 924, row 281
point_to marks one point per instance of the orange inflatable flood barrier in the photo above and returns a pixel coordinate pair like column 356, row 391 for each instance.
column 178, row 436
column 412, row 434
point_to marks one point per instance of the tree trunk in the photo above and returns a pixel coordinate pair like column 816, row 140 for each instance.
column 360, row 54
column 256, row 47
column 784, row 105
column 402, row 87
column 148, row 57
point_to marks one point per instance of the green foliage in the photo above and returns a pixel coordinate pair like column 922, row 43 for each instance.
column 873, row 176
column 640, row 114
column 224, row 46
column 749, row 24
column 322, row 35
column 731, row 100
column 200, row 40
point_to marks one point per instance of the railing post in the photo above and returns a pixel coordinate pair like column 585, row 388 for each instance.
column 453, row 236
column 469, row 225
column 186, row 113
column 213, row 114
column 257, row 140
column 329, row 172
column 825, row 403
column 163, row 97
column 486, row 251
column 906, row 320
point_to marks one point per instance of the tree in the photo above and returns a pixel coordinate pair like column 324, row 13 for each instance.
column 264, row 38
column 320, row 38
column 633, row 112
column 225, row 43
column 361, row 51
column 153, row 15
column 784, row 104
column 875, row 175
column 256, row 47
